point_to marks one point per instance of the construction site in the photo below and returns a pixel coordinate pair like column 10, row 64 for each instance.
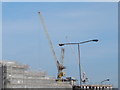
column 16, row 75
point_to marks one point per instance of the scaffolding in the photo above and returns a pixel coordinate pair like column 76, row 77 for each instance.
column 16, row 75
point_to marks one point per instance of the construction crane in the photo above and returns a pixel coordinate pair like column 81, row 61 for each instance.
column 59, row 65
column 62, row 55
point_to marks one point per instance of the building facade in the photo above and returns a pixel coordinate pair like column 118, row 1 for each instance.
column 16, row 75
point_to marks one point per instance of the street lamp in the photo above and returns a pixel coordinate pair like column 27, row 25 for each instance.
column 105, row 80
column 62, row 44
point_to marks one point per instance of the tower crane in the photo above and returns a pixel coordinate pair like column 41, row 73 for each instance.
column 59, row 65
column 62, row 55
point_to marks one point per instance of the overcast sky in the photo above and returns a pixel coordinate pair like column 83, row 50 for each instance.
column 24, row 39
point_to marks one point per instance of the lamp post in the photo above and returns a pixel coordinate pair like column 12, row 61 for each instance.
column 105, row 80
column 62, row 44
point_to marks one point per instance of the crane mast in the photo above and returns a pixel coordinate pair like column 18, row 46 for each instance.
column 62, row 55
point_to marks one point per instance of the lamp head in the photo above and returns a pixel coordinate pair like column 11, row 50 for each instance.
column 61, row 44
column 107, row 79
column 95, row 40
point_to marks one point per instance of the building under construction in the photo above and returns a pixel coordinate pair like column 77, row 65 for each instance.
column 16, row 75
